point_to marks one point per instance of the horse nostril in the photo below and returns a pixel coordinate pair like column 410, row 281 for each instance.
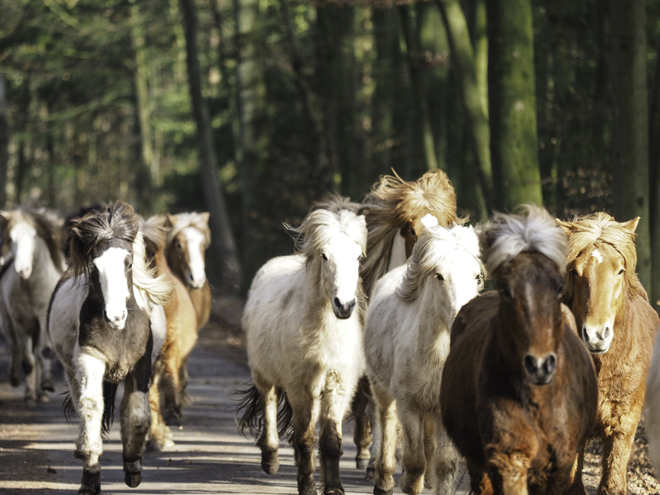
column 550, row 363
column 531, row 365
column 336, row 303
column 607, row 333
column 350, row 306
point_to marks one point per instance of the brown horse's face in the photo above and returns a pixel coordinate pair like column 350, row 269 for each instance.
column 530, row 288
column 597, row 276
column 186, row 257
column 413, row 229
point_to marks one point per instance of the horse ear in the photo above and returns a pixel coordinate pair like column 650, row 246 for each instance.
column 4, row 220
column 205, row 216
column 631, row 225
column 565, row 226
column 171, row 220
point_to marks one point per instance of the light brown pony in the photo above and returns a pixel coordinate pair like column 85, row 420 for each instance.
column 618, row 325
column 167, row 393
column 187, row 239
column 397, row 212
column 519, row 390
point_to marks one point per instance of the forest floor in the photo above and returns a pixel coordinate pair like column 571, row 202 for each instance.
column 36, row 445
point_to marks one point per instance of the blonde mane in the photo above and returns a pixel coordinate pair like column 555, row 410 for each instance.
column 392, row 204
column 600, row 228
column 320, row 226
column 505, row 236
column 180, row 221
column 156, row 290
column 433, row 245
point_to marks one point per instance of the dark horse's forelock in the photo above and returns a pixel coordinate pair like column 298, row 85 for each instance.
column 118, row 221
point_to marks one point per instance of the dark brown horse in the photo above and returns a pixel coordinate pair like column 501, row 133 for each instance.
column 618, row 325
column 519, row 390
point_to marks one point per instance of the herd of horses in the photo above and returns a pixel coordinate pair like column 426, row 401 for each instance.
column 116, row 298
column 380, row 314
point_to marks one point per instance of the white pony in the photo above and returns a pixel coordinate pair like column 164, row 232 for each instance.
column 303, row 322
column 406, row 342
column 34, row 263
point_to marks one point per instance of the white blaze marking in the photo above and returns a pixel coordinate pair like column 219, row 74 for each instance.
column 23, row 237
column 596, row 254
column 429, row 221
column 114, row 285
column 197, row 269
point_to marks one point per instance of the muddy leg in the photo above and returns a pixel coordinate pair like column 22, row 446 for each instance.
column 372, row 411
column 387, row 436
column 89, row 376
column 445, row 460
column 269, row 441
column 305, row 414
column 363, row 426
column 169, row 385
column 160, row 434
column 414, row 461
column 616, row 453
column 135, row 417
column 429, row 449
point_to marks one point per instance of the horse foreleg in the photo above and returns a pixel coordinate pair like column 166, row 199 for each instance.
column 335, row 402
column 135, row 417
column 445, row 460
column 616, row 453
column 372, row 412
column 386, row 440
column 169, row 383
column 45, row 355
column 429, row 449
column 363, row 426
column 269, row 441
column 29, row 364
column 414, row 461
column 90, row 369
column 576, row 487
column 160, row 434
column 305, row 414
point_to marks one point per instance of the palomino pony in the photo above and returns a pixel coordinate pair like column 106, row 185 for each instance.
column 618, row 326
column 303, row 321
column 188, row 238
column 32, row 243
column 106, row 325
column 406, row 342
column 179, row 342
column 519, row 390
column 397, row 212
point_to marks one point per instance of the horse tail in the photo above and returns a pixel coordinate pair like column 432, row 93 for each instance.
column 253, row 416
column 67, row 406
column 109, row 394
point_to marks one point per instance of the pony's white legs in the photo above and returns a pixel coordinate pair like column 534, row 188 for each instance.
column 414, row 461
column 135, row 418
column 334, row 405
column 387, row 440
column 305, row 407
column 90, row 369
column 445, row 460
column 269, row 441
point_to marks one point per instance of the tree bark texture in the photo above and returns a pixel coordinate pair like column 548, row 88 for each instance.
column 223, row 245
column 512, row 104
column 4, row 144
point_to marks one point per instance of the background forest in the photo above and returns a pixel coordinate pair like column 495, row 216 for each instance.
column 252, row 109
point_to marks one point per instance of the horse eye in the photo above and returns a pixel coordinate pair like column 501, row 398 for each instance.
column 506, row 292
column 560, row 290
column 177, row 244
column 412, row 231
column 439, row 277
column 620, row 272
column 325, row 258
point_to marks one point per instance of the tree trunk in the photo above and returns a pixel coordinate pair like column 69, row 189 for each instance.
column 630, row 138
column 474, row 92
column 4, row 144
column 223, row 239
column 147, row 174
column 512, row 104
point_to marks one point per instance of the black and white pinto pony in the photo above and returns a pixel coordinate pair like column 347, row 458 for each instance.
column 32, row 265
column 406, row 342
column 106, row 325
column 303, row 321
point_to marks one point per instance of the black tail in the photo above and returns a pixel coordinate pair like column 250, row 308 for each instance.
column 253, row 417
column 67, row 406
column 109, row 394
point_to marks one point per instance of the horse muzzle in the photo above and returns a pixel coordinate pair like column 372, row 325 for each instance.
column 541, row 371
column 597, row 339
column 116, row 319
column 343, row 311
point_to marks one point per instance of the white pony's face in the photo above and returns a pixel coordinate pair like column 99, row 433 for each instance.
column 457, row 279
column 114, row 274
column 340, row 264
column 23, row 241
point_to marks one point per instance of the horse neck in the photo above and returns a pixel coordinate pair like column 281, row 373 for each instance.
column 433, row 334
column 43, row 267
column 161, row 264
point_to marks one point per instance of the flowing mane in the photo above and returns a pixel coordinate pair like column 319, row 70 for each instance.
column 154, row 230
column 181, row 221
column 46, row 224
column 334, row 202
column 321, row 225
column 534, row 229
column 392, row 204
column 427, row 253
column 601, row 228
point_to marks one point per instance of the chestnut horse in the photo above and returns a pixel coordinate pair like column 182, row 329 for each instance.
column 397, row 212
column 618, row 326
column 187, row 240
column 179, row 341
column 519, row 390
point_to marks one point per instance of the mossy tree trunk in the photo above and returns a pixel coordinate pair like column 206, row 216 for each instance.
column 512, row 104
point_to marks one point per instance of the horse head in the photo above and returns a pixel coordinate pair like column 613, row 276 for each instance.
column 187, row 240
column 22, row 238
column 527, row 255
column 101, row 245
column 601, row 266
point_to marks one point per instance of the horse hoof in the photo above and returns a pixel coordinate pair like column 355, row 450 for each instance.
column 43, row 398
column 133, row 480
column 361, row 464
column 378, row 491
column 90, row 482
column 270, row 462
column 334, row 491
column 371, row 474
column 307, row 486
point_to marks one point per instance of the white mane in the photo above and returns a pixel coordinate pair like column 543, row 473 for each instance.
column 506, row 236
column 152, row 289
